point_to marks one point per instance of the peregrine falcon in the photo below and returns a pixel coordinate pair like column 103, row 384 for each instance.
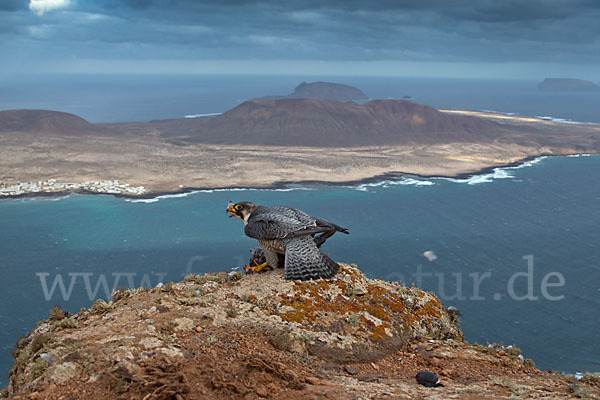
column 291, row 232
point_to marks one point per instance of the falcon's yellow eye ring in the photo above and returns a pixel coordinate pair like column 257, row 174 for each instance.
column 238, row 207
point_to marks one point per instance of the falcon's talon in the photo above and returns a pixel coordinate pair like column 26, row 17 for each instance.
column 258, row 267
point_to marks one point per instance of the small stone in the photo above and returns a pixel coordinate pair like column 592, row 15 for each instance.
column 312, row 380
column 64, row 372
column 262, row 391
column 350, row 370
column 356, row 289
column 428, row 379
column 447, row 372
column 454, row 310
column 198, row 329
column 501, row 353
column 47, row 357
column 183, row 324
column 292, row 375
column 162, row 309
column 272, row 388
column 375, row 366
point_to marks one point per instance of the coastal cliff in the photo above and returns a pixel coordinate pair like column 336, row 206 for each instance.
column 229, row 335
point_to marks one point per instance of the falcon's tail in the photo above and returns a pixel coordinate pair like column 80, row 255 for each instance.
column 304, row 261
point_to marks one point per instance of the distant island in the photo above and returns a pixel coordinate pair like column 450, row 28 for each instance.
column 564, row 84
column 269, row 143
column 324, row 90
column 308, row 122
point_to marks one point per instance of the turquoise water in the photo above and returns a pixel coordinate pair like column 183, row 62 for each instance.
column 549, row 210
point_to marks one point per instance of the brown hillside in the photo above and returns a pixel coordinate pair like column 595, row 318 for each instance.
column 45, row 122
column 319, row 122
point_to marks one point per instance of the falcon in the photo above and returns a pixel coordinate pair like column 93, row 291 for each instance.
column 292, row 233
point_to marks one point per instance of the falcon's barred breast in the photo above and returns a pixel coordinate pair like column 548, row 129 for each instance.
column 297, row 235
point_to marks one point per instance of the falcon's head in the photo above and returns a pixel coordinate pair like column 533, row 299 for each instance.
column 240, row 210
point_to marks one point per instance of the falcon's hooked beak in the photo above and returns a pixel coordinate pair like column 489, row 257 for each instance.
column 240, row 210
column 231, row 210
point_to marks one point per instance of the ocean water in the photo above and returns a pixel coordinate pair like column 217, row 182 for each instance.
column 118, row 98
column 542, row 218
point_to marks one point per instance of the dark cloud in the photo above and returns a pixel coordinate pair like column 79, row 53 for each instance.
column 424, row 30
column 12, row 5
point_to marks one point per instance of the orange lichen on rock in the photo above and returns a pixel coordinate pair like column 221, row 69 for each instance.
column 385, row 310
column 225, row 336
column 348, row 317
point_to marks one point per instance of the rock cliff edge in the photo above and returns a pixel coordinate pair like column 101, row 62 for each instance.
column 228, row 335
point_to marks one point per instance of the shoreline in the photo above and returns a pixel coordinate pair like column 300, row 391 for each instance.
column 161, row 166
column 279, row 185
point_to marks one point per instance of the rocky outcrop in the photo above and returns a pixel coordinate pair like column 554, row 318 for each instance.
column 228, row 335
column 46, row 122
column 327, row 90
column 324, row 90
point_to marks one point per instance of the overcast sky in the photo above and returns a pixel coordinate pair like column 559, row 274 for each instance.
column 445, row 38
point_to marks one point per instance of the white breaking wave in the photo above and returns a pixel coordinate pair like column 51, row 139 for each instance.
column 177, row 195
column 164, row 196
column 562, row 120
column 528, row 163
column 202, row 115
column 255, row 190
column 388, row 183
column 500, row 112
column 154, row 200
column 542, row 117
column 499, row 173
column 59, row 198
column 416, row 182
